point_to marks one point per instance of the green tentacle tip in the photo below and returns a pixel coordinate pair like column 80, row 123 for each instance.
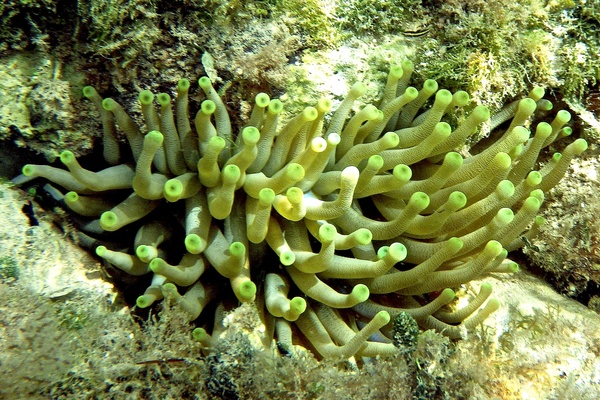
column 539, row 220
column 512, row 267
column 89, row 92
column 453, row 159
column 266, row 196
column 382, row 252
column 543, row 130
column 173, row 189
column 143, row 251
column 544, row 105
column 146, row 97
column 447, row 295
column 327, row 233
column 566, row 131
column 505, row 189
column 532, row 203
column 205, row 83
column 492, row 305
column 294, row 195
column 402, row 173
column 503, row 160
column 537, row 93
column 485, row 287
column 324, row 105
column 231, row 173
column 375, row 162
column 481, row 113
column 163, row 99
column 521, row 133
column 287, row 258
column 534, row 178
column 443, row 130
column 363, row 236
column 109, row 104
column 396, row 72
column 217, row 143
column 67, row 157
column 108, row 220
column 504, row 216
column 295, row 171
column 493, row 248
column 28, row 170
column 297, row 305
column 247, row 291
column 358, row 89
column 250, row 135
column 194, row 243
column 310, row 114
column 208, row 107
column 71, row 197
column 461, row 98
column 527, row 106
column 101, row 251
column 382, row 318
column 262, row 100
column 275, row 106
column 390, row 139
column 154, row 137
column 397, row 252
column 579, row 146
column 538, row 194
column 237, row 249
column 419, row 200
column 157, row 265
column 411, row 93
column 563, row 116
column 360, row 293
column 408, row 66
column 455, row 244
column 144, row 301
column 456, row 201
column 183, row 85
column 430, row 86
column 200, row 334
column 169, row 291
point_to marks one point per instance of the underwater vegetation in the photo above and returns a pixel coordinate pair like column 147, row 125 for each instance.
column 333, row 225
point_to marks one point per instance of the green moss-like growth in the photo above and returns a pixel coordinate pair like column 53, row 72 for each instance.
column 20, row 21
column 381, row 17
column 128, row 26
column 494, row 48
column 483, row 41
column 9, row 268
column 406, row 332
column 579, row 53
column 72, row 317
column 309, row 20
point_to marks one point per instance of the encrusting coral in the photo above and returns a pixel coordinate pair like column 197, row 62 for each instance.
column 336, row 227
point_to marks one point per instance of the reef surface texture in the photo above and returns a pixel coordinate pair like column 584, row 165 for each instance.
column 301, row 221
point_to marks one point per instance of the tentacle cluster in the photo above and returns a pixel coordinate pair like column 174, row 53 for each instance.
column 332, row 224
